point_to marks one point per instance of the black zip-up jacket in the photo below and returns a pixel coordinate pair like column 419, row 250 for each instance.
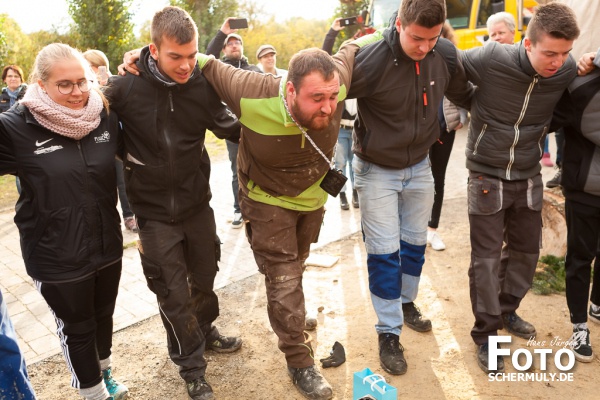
column 511, row 111
column 167, row 169
column 398, row 98
column 67, row 213
column 578, row 112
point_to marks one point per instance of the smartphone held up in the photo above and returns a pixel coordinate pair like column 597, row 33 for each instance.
column 238, row 23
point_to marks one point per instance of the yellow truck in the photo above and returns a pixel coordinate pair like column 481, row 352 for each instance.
column 467, row 17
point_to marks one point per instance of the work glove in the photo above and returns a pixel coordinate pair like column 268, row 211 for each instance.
column 337, row 356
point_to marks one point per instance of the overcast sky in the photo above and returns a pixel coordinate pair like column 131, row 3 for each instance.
column 34, row 15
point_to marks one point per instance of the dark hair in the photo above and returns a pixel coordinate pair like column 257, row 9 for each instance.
column 426, row 13
column 554, row 19
column 13, row 67
column 173, row 23
column 310, row 60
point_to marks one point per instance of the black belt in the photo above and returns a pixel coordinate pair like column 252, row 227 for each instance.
column 346, row 126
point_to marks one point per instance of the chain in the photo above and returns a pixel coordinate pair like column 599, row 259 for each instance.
column 285, row 104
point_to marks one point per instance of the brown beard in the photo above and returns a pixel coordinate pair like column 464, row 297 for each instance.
column 308, row 121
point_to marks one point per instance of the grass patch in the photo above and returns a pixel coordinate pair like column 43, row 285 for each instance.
column 549, row 275
column 8, row 192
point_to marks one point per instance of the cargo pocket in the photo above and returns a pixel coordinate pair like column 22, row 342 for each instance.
column 535, row 193
column 485, row 194
column 152, row 272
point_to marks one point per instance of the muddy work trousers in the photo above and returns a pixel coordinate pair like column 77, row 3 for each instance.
column 180, row 264
column 501, row 211
column 280, row 240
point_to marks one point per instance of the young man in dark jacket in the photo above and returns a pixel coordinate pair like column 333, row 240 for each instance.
column 518, row 86
column 165, row 113
column 232, row 45
column 577, row 112
column 399, row 81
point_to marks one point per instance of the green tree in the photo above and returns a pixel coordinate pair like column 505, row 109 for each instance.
column 208, row 15
column 104, row 25
column 349, row 9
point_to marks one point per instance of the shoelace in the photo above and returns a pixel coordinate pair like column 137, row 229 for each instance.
column 580, row 338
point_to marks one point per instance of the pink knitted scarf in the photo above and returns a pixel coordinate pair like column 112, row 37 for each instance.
column 65, row 121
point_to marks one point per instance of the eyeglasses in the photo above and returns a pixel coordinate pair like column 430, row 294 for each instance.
column 67, row 87
column 232, row 42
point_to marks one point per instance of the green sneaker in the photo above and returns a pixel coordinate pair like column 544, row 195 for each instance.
column 117, row 390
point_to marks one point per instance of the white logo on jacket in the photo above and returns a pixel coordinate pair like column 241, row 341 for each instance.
column 45, row 150
column 104, row 138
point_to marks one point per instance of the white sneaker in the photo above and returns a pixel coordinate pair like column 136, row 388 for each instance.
column 238, row 221
column 435, row 241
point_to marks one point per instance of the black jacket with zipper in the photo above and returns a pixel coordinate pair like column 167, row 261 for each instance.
column 511, row 111
column 398, row 98
column 167, row 169
column 66, row 214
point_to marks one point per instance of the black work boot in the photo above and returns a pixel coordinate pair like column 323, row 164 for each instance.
column 344, row 201
column 518, row 326
column 483, row 360
column 199, row 389
column 354, row 198
column 391, row 354
column 311, row 383
column 414, row 319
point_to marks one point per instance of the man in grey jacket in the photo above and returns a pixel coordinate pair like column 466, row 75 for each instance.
column 518, row 87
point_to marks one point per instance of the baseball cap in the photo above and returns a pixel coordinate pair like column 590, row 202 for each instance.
column 232, row 35
column 264, row 50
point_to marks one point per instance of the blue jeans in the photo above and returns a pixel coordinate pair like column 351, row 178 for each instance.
column 232, row 149
column 344, row 155
column 395, row 209
column 14, row 382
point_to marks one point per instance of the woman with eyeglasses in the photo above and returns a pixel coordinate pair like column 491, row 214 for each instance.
column 61, row 140
column 12, row 76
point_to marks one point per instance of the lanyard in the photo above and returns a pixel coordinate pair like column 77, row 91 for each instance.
column 329, row 162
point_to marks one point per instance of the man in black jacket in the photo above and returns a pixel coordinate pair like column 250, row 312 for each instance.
column 233, row 50
column 165, row 112
column 577, row 112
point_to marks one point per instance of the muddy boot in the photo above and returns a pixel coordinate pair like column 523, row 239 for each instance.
column 199, row 389
column 483, row 360
column 518, row 326
column 414, row 319
column 391, row 354
column 311, row 383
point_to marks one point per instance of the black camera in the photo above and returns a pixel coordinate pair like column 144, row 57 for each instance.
column 333, row 182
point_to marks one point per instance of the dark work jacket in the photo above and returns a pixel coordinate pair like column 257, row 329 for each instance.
column 578, row 112
column 167, row 169
column 398, row 98
column 67, row 214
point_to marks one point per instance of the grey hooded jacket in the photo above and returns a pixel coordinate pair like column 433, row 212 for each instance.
column 511, row 110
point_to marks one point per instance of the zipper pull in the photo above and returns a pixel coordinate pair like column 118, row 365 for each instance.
column 424, row 103
column 171, row 100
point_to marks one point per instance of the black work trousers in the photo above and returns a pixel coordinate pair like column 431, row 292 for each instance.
column 583, row 245
column 180, row 264
column 500, row 212
column 439, row 155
